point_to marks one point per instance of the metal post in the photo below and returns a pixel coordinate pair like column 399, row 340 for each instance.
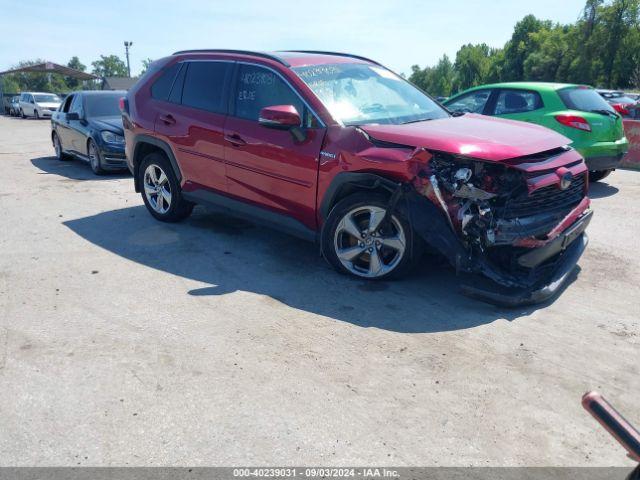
column 126, row 48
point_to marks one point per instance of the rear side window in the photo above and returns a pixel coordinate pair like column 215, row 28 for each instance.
column 204, row 86
column 162, row 86
column 258, row 88
column 517, row 101
column 584, row 99
column 178, row 84
column 473, row 102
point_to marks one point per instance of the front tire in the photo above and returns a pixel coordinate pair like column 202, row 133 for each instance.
column 94, row 158
column 355, row 242
column 36, row 115
column 22, row 114
column 597, row 175
column 161, row 191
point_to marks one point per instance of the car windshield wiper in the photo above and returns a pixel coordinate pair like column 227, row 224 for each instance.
column 416, row 121
column 604, row 112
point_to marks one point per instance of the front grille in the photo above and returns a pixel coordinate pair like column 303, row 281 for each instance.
column 546, row 200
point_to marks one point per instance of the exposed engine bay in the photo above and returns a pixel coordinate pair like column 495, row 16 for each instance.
column 511, row 233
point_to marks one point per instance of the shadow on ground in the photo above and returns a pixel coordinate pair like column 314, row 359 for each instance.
column 228, row 255
column 73, row 169
column 602, row 189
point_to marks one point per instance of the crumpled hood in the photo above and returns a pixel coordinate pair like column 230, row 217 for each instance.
column 113, row 124
column 471, row 135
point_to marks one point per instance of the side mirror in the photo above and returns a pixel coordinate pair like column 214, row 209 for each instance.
column 284, row 117
column 73, row 116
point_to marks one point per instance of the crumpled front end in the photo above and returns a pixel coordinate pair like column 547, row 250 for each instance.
column 515, row 227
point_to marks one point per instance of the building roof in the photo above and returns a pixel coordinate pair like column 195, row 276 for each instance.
column 50, row 67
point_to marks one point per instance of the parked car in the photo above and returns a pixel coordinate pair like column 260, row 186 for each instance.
column 38, row 105
column 88, row 126
column 14, row 106
column 621, row 102
column 575, row 111
column 337, row 149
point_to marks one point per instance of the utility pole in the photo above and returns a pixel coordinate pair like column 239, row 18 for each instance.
column 126, row 48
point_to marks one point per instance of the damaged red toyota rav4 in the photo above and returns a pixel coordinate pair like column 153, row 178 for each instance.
column 338, row 149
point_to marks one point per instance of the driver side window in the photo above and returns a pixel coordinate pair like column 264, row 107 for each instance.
column 259, row 87
column 67, row 103
column 473, row 102
column 76, row 105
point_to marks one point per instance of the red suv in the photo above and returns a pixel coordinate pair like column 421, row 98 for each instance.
column 337, row 149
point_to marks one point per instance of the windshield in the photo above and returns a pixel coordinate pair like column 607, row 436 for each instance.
column 621, row 99
column 584, row 99
column 47, row 98
column 357, row 94
column 102, row 105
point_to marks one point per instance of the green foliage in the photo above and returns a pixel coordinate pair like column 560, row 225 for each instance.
column 76, row 64
column 145, row 65
column 435, row 79
column 601, row 49
column 109, row 66
column 472, row 66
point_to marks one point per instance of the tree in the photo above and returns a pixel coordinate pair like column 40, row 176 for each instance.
column 10, row 84
column 145, row 65
column 472, row 65
column 109, row 66
column 437, row 81
column 521, row 45
column 545, row 62
column 76, row 64
column 442, row 78
column 617, row 18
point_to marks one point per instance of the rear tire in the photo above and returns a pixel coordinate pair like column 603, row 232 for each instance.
column 597, row 175
column 57, row 146
column 354, row 242
column 161, row 190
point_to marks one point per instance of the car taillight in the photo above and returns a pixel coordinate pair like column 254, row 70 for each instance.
column 124, row 105
column 574, row 121
column 620, row 108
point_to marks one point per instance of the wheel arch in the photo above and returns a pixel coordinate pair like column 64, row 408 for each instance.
column 347, row 183
column 146, row 144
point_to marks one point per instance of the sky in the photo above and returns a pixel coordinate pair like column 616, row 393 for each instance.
column 398, row 34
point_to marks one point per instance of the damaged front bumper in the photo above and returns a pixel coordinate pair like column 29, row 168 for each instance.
column 489, row 291
column 540, row 267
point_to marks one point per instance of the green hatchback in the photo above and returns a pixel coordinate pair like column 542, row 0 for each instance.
column 576, row 111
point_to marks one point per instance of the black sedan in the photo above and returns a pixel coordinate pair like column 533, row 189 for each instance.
column 88, row 126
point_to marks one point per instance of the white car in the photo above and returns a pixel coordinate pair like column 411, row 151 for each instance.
column 38, row 104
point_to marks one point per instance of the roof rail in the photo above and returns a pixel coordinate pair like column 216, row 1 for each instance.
column 239, row 52
column 337, row 54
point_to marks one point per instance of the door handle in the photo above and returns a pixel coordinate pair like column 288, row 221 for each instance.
column 167, row 119
column 235, row 140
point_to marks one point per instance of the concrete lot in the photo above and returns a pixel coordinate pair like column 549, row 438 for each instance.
column 124, row 341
